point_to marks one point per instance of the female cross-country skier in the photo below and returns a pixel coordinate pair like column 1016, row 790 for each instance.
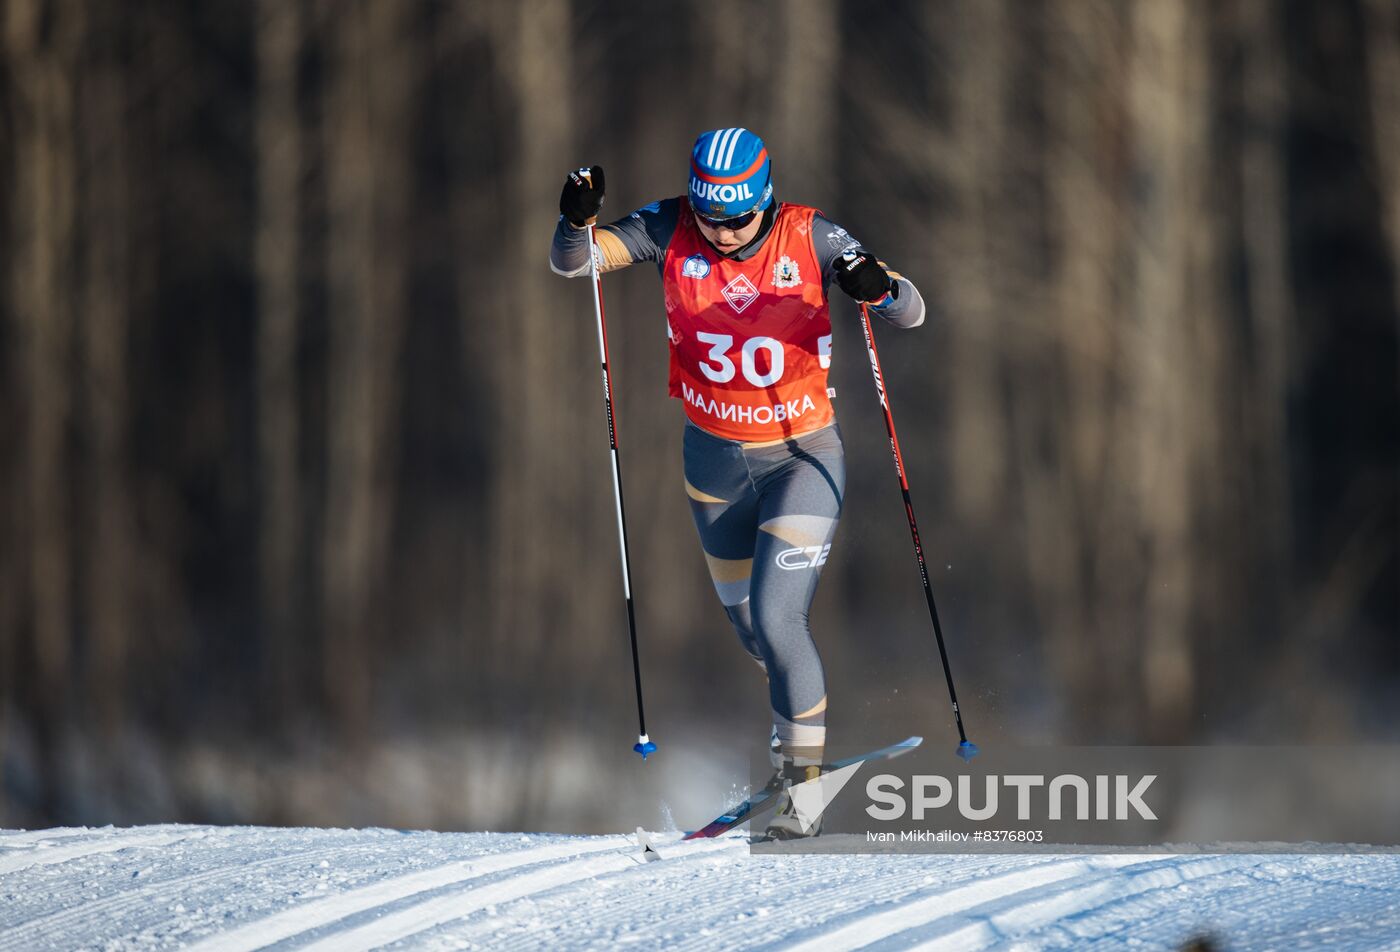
column 745, row 279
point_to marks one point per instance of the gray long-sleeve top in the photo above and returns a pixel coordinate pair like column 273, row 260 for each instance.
column 645, row 234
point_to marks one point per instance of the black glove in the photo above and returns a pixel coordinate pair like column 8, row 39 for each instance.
column 582, row 196
column 862, row 277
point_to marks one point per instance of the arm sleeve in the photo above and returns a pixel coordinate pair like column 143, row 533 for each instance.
column 903, row 307
column 641, row 236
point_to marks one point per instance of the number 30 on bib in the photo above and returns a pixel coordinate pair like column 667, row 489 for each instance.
column 719, row 367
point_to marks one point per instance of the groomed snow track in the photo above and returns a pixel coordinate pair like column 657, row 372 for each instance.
column 217, row 888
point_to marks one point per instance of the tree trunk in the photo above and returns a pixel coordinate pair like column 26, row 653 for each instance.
column 1074, row 468
column 111, row 549
column 368, row 130
column 1173, row 344
column 1257, row 531
column 541, row 436
column 1383, row 61
column 278, row 263
column 971, row 155
column 42, row 41
column 803, row 117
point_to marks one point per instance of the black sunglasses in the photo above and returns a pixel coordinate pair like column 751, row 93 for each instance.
column 733, row 224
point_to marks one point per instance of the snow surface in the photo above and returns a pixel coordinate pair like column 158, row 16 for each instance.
column 246, row 888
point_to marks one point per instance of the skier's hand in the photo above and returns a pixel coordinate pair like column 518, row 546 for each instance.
column 582, row 196
column 862, row 277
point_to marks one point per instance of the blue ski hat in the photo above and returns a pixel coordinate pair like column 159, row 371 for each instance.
column 730, row 174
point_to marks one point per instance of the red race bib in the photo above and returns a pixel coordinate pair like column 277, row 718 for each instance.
column 750, row 340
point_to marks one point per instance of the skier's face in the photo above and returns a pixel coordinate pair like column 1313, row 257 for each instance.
column 729, row 239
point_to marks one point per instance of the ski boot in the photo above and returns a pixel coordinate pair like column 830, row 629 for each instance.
column 791, row 769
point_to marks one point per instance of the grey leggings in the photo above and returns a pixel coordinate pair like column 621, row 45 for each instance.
column 766, row 516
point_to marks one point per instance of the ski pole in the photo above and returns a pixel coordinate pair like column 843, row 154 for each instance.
column 966, row 749
column 644, row 744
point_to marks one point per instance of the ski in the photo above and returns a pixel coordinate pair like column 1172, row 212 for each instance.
column 760, row 803
column 770, row 796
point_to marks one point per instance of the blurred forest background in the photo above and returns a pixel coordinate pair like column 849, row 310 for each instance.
column 305, row 512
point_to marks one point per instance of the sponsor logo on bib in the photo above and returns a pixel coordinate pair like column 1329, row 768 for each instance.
column 740, row 293
column 695, row 267
column 786, row 273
